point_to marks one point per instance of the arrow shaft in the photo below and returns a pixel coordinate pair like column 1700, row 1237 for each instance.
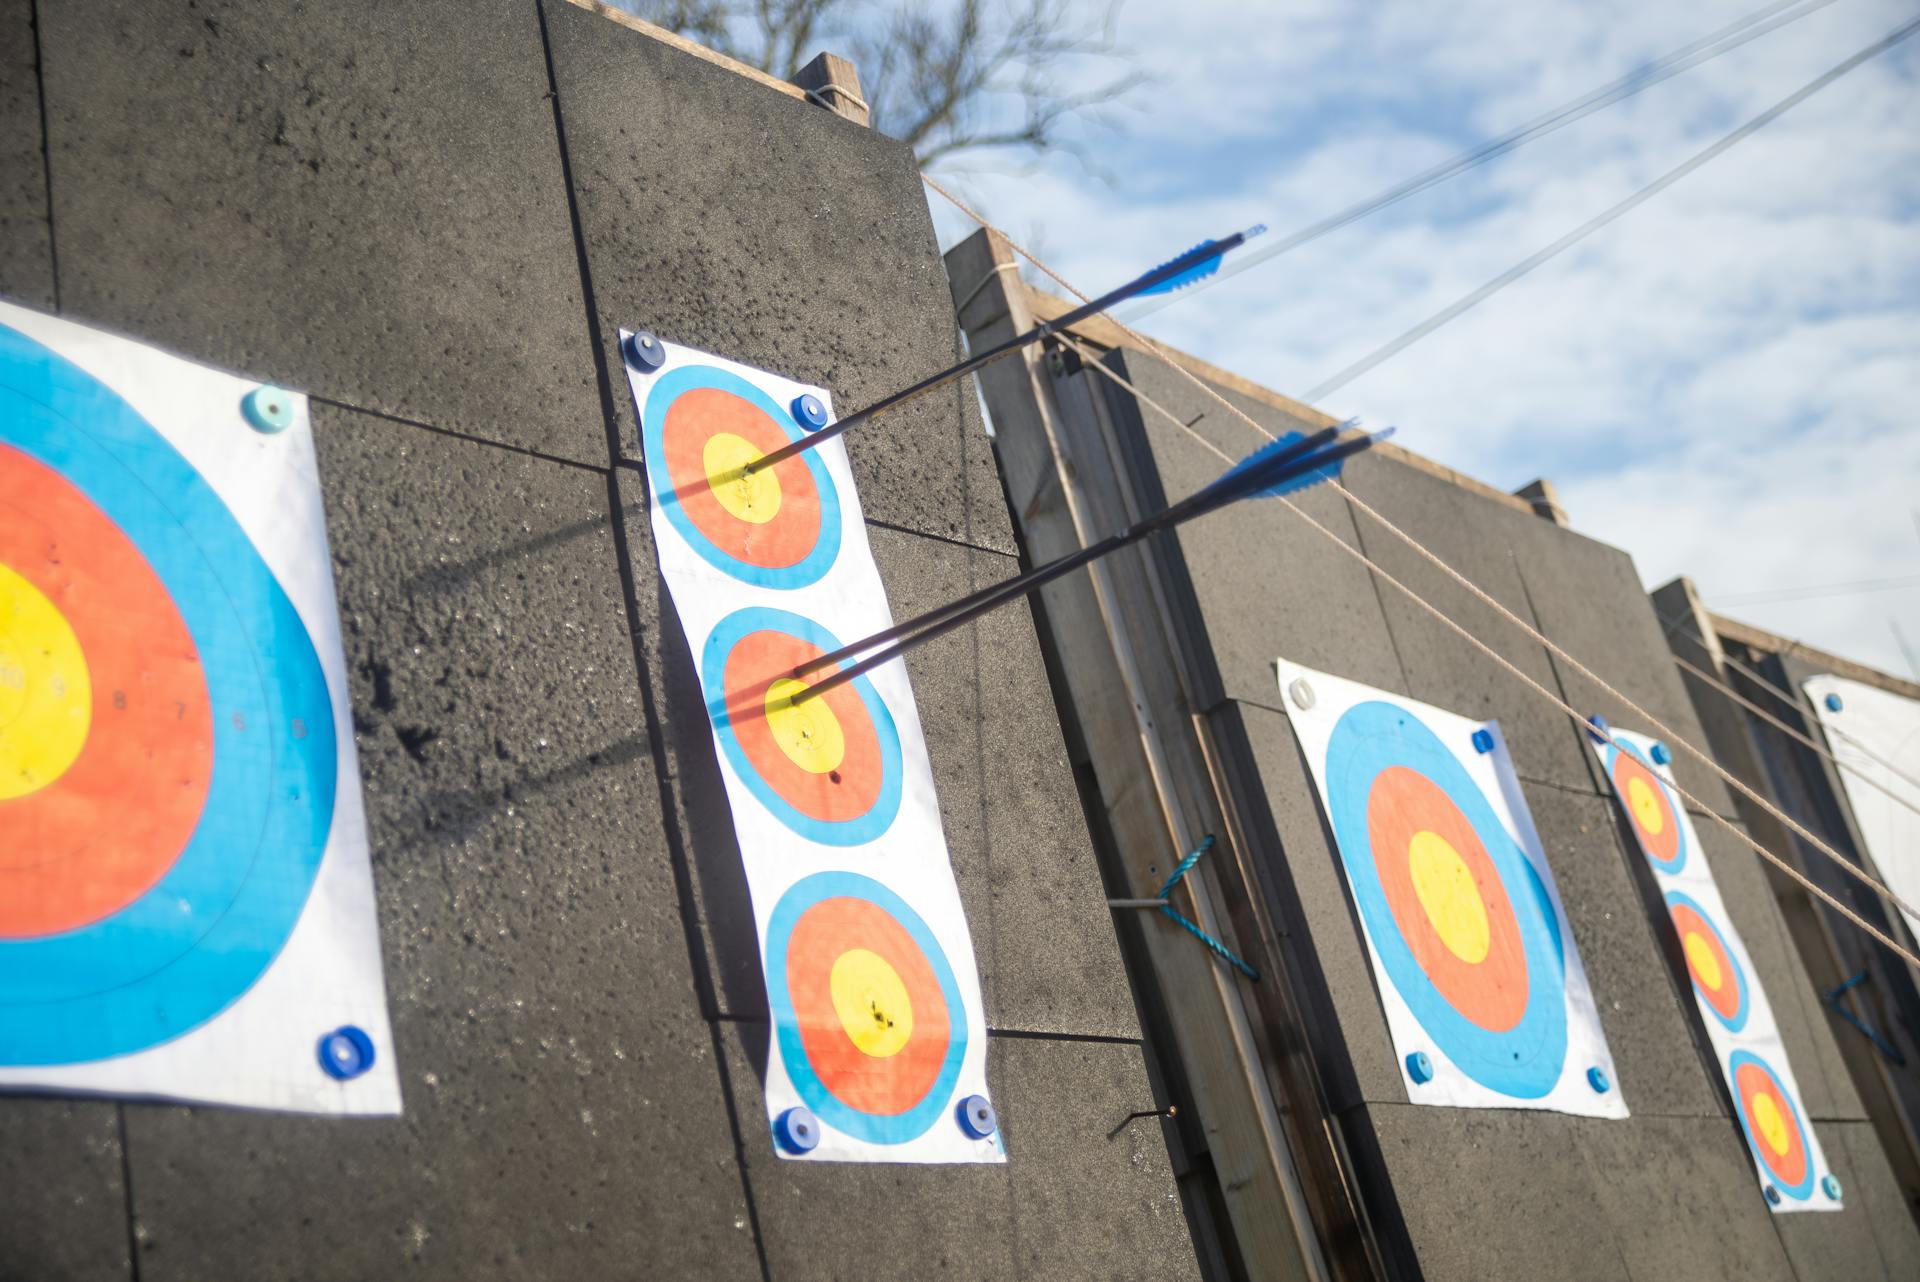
column 1186, row 262
column 943, row 619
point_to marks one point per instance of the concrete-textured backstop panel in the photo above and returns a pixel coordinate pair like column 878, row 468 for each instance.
column 369, row 202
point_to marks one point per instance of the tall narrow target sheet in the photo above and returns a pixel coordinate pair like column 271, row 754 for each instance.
column 1793, row 1172
column 1485, row 997
column 878, row 1040
column 186, row 902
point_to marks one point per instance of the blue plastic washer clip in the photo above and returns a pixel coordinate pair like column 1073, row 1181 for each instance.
column 1419, row 1067
column 1597, row 728
column 1830, row 1185
column 346, row 1053
column 644, row 352
column 1660, row 754
column 1597, row 1078
column 808, row 412
column 1833, row 703
column 797, row 1130
column 1483, row 741
column 268, row 409
column 977, row 1117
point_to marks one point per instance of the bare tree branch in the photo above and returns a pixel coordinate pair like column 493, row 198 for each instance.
column 967, row 76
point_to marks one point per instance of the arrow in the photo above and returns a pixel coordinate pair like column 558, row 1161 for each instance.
column 1287, row 465
column 1196, row 264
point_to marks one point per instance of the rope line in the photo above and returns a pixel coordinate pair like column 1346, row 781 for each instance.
column 1586, row 725
column 1792, row 733
column 1487, row 599
column 1787, row 698
column 1214, row 946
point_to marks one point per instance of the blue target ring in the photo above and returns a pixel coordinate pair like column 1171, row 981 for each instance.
column 1791, row 1168
column 667, row 389
column 1719, row 980
column 204, row 934
column 875, row 1128
column 1525, row 1060
column 853, row 830
column 1624, row 763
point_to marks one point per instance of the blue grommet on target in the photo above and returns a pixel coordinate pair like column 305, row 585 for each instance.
column 1833, row 703
column 346, row 1053
column 977, row 1117
column 1597, row 727
column 644, row 352
column 1659, row 754
column 1830, row 1185
column 808, row 412
column 1483, row 741
column 1419, row 1067
column 797, row 1130
column 1597, row 1078
column 268, row 409
column 1773, row 1195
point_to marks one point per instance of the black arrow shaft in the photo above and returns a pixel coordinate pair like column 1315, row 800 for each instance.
column 941, row 620
column 1167, row 271
column 995, row 593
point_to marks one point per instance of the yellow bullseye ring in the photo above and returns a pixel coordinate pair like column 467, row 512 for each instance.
column 1447, row 893
column 1704, row 962
column 871, row 1000
column 1646, row 807
column 753, row 497
column 807, row 732
column 46, row 698
column 1771, row 1123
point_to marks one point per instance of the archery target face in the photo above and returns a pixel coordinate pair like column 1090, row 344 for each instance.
column 1719, row 976
column 170, row 757
column 875, row 1024
column 870, row 1021
column 779, row 527
column 1776, row 1131
column 1651, row 807
column 828, row 767
column 1469, row 945
column 1733, row 1005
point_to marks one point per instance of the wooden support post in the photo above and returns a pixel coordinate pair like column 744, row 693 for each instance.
column 1130, row 720
column 1545, row 501
column 833, row 82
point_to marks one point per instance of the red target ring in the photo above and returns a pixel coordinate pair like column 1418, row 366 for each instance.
column 835, row 784
column 1772, row 1123
column 1649, row 806
column 831, row 938
column 771, row 520
column 86, row 844
column 1447, row 899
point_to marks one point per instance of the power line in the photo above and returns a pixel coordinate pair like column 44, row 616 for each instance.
column 1760, row 22
column 1470, row 300
column 1818, row 590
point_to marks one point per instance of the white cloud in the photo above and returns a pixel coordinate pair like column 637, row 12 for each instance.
column 1722, row 383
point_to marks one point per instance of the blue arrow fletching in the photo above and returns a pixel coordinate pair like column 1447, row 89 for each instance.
column 1199, row 271
column 1293, row 474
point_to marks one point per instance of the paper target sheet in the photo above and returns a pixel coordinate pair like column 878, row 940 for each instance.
column 1793, row 1172
column 878, row 1036
column 186, row 903
column 1485, row 996
column 1874, row 736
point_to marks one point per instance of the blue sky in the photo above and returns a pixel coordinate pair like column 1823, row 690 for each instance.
column 1725, row 383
